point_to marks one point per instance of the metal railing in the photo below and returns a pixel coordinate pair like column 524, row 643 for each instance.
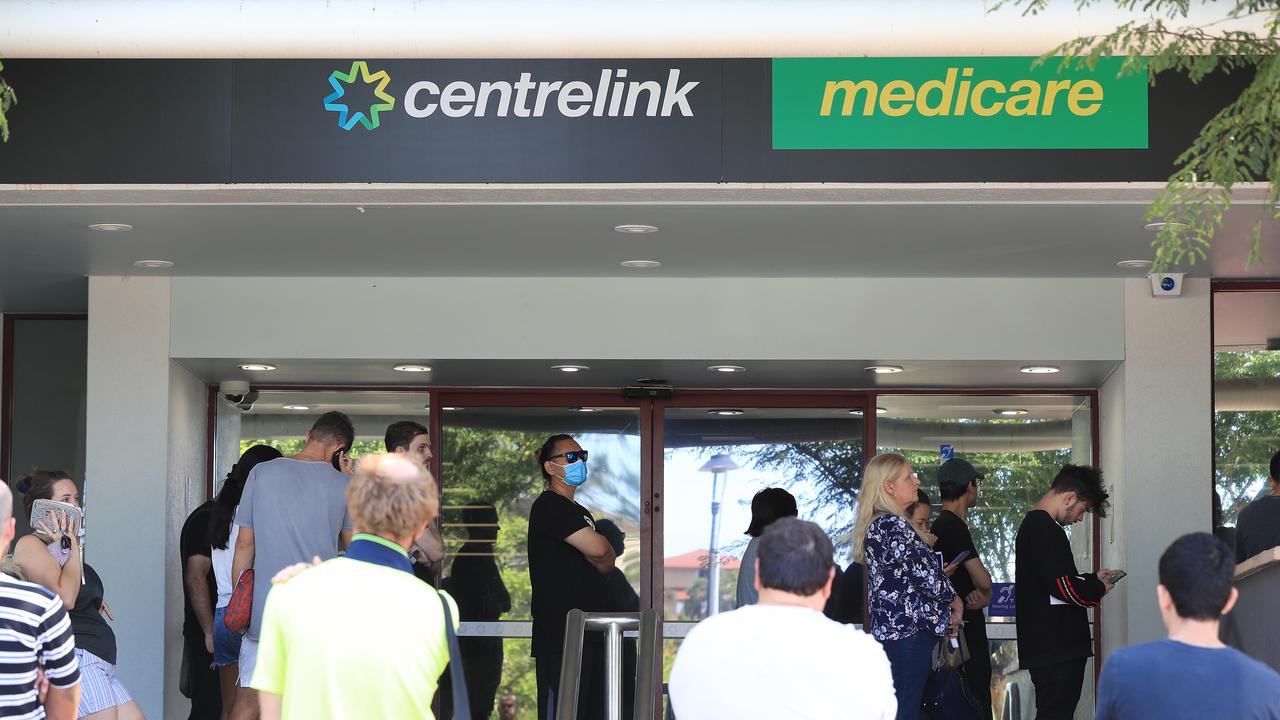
column 613, row 625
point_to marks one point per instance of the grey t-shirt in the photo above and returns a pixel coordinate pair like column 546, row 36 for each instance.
column 296, row 510
column 1258, row 528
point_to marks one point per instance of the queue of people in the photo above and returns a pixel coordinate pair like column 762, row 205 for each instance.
column 345, row 556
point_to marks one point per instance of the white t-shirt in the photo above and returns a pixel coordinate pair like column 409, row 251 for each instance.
column 222, row 567
column 776, row 661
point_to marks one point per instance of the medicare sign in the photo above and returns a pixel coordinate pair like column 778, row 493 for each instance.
column 955, row 103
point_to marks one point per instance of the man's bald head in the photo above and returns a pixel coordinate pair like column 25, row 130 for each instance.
column 6, row 502
column 391, row 496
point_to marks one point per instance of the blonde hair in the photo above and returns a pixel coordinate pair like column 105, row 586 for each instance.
column 390, row 495
column 874, row 501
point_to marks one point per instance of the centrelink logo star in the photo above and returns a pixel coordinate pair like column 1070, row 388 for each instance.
column 339, row 80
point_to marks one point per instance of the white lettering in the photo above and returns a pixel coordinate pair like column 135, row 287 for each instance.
column 612, row 96
column 523, row 86
column 575, row 99
column 544, row 89
column 461, row 93
column 674, row 97
column 411, row 96
column 633, row 95
column 486, row 89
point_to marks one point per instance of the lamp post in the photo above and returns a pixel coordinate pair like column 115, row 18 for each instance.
column 719, row 464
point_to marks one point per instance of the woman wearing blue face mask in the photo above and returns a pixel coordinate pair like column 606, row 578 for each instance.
column 567, row 562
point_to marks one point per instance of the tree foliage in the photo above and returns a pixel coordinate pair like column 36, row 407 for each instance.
column 1241, row 144
column 1244, row 441
column 8, row 98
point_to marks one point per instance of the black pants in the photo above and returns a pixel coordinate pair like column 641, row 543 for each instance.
column 1058, row 689
column 590, row 687
column 482, row 667
column 977, row 672
column 206, row 693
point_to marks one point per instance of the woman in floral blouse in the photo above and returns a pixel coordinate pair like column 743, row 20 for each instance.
column 911, row 603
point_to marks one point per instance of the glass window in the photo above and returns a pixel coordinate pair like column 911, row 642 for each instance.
column 281, row 419
column 716, row 459
column 1018, row 443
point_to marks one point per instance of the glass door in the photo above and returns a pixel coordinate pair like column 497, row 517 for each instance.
column 717, row 450
column 490, row 478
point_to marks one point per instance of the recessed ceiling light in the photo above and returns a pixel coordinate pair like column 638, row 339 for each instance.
column 1157, row 226
column 1040, row 369
column 570, row 368
column 447, row 408
column 640, row 264
column 111, row 227
column 1134, row 264
column 257, row 367
column 153, row 264
column 635, row 229
column 881, row 411
column 585, row 409
column 727, row 412
column 296, row 407
column 412, row 368
column 883, row 369
column 1009, row 412
column 726, row 368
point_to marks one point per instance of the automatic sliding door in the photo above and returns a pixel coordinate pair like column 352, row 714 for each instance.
column 490, row 478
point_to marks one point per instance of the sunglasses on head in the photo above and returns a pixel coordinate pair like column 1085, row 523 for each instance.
column 572, row 456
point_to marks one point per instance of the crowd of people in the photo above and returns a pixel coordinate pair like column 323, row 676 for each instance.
column 310, row 593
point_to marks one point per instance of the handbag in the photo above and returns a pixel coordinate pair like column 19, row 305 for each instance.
column 239, row 610
column 946, row 695
column 458, row 681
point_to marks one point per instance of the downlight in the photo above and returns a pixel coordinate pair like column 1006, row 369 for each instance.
column 1009, row 412
column 257, row 367
column 883, row 369
column 111, row 227
column 571, row 368
column 412, row 368
column 635, row 229
column 1040, row 369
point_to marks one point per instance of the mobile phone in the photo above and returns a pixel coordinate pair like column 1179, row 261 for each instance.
column 959, row 558
column 1118, row 576
column 336, row 460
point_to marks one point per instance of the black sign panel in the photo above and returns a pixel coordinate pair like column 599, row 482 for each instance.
column 316, row 121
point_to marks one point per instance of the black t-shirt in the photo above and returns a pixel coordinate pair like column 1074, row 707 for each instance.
column 92, row 632
column 1258, row 528
column 1052, row 597
column 953, row 539
column 561, row 578
column 195, row 541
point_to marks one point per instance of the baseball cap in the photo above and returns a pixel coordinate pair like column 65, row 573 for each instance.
column 954, row 475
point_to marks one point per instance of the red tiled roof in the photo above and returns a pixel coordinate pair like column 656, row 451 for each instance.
column 697, row 560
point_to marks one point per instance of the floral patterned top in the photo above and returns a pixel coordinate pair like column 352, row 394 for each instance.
column 909, row 593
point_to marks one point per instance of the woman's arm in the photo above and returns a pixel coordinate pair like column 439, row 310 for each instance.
column 41, row 569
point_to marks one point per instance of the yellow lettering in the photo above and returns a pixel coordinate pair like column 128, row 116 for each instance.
column 850, row 90
column 979, row 90
column 945, row 88
column 1050, row 91
column 962, row 103
column 1078, row 96
column 897, row 91
column 1027, row 102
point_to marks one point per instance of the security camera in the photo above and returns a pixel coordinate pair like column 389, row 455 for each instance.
column 237, row 394
column 1166, row 284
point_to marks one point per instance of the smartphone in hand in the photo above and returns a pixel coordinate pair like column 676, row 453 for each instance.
column 959, row 558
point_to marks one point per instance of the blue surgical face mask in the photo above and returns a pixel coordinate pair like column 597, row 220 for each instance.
column 575, row 473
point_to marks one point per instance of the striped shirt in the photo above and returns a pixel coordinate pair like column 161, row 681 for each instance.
column 34, row 632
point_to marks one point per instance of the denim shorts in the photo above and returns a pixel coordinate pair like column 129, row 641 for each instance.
column 226, row 644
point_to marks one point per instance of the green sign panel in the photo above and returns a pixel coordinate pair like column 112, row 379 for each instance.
column 954, row 103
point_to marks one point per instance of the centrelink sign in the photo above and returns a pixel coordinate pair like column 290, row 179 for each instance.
column 613, row 95
column 956, row 103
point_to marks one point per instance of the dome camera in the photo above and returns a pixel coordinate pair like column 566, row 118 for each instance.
column 237, row 394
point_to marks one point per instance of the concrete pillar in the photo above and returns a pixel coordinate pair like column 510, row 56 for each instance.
column 1157, row 448
column 144, row 473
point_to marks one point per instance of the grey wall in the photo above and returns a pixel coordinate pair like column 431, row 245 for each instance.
column 48, row 427
column 142, row 443
column 669, row 318
column 1158, row 448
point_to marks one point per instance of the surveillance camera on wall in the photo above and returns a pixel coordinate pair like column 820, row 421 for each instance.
column 1166, row 284
column 237, row 394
